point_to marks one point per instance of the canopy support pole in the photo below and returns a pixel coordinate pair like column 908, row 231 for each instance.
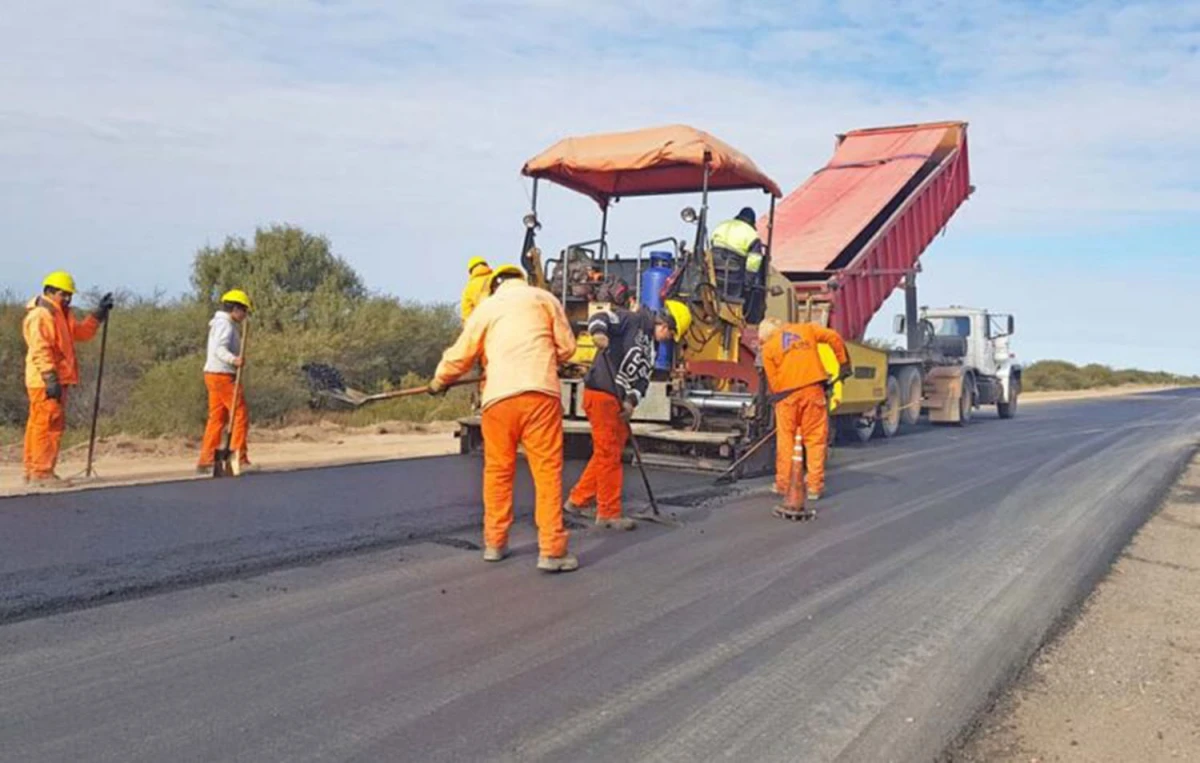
column 604, row 234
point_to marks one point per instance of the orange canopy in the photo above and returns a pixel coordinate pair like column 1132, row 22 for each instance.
column 644, row 162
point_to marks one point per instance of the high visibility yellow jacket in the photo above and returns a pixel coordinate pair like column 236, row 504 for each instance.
column 475, row 290
column 520, row 334
column 50, row 336
column 741, row 237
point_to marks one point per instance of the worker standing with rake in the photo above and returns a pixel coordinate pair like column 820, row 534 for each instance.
column 51, row 328
column 221, row 367
column 614, row 386
column 792, row 362
column 521, row 334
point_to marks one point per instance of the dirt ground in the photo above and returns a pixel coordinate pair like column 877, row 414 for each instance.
column 123, row 460
column 1122, row 683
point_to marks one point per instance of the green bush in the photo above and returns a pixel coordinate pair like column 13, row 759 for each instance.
column 309, row 305
column 1059, row 375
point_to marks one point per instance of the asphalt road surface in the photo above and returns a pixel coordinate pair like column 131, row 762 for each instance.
column 940, row 561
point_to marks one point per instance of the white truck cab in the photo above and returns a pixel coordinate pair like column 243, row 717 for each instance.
column 979, row 341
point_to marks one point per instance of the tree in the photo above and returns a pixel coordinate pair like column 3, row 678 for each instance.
column 293, row 278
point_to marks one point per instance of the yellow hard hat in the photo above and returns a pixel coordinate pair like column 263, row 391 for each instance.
column 61, row 280
column 475, row 262
column 237, row 297
column 505, row 271
column 680, row 317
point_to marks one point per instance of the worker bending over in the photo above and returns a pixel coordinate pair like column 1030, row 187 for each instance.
column 220, row 374
column 792, row 362
column 521, row 335
column 613, row 387
column 478, row 275
column 51, row 369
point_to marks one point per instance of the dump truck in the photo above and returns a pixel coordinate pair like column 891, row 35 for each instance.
column 835, row 249
column 852, row 234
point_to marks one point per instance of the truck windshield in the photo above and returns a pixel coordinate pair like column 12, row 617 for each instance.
column 951, row 326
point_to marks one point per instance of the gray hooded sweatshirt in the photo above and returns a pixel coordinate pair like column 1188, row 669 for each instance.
column 224, row 344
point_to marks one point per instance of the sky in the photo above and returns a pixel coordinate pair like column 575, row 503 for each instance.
column 133, row 132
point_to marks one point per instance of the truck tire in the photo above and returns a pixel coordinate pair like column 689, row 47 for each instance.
column 909, row 380
column 890, row 409
column 1009, row 409
column 966, row 403
column 852, row 429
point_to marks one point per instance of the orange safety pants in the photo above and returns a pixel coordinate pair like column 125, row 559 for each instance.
column 43, row 432
column 601, row 479
column 804, row 409
column 220, row 401
column 533, row 420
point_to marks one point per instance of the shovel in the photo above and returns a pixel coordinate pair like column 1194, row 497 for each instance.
column 327, row 381
column 226, row 463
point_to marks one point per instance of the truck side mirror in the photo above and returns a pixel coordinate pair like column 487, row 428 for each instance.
column 898, row 325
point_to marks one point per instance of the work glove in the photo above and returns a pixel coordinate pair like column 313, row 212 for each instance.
column 627, row 407
column 846, row 372
column 104, row 308
column 600, row 340
column 53, row 388
column 437, row 388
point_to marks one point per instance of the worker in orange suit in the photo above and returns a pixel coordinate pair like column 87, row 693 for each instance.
column 792, row 362
column 51, row 330
column 478, row 275
column 613, row 387
column 220, row 374
column 521, row 335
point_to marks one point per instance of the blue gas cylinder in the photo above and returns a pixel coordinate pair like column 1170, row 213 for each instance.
column 653, row 279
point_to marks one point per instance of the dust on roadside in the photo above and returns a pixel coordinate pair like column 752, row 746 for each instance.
column 1122, row 683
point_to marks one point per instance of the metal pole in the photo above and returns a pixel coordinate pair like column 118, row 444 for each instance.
column 913, row 330
column 96, row 400
column 603, row 234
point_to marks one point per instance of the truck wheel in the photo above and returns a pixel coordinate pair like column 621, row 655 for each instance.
column 966, row 404
column 855, row 428
column 909, row 380
column 889, row 415
column 1009, row 409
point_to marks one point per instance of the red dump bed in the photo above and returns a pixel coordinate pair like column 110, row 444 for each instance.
column 849, row 234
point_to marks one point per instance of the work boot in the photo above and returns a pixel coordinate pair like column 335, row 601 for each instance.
column 493, row 554
column 588, row 511
column 564, row 563
column 203, row 469
column 814, row 495
column 616, row 523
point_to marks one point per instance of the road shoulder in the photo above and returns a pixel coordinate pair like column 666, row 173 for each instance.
column 1122, row 682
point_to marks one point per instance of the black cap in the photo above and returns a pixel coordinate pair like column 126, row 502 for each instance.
column 747, row 215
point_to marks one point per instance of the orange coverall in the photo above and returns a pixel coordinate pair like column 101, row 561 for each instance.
column 792, row 361
column 603, row 476
column 50, row 334
column 521, row 335
column 220, row 403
